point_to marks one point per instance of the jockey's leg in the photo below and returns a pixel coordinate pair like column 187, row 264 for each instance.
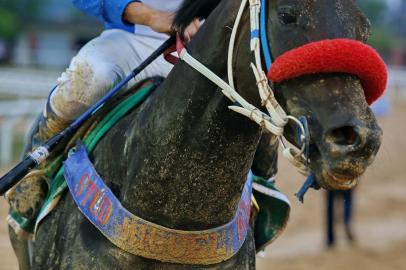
column 98, row 66
column 101, row 64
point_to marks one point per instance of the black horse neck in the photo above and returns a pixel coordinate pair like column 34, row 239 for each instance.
column 187, row 154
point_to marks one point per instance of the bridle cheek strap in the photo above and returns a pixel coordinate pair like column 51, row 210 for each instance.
column 334, row 56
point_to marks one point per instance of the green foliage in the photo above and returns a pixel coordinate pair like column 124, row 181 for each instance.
column 374, row 9
column 9, row 25
column 382, row 39
column 15, row 13
column 387, row 26
column 18, row 146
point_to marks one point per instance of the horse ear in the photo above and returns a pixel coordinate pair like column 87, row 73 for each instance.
column 190, row 10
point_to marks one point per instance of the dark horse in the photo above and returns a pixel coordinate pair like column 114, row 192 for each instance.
column 181, row 159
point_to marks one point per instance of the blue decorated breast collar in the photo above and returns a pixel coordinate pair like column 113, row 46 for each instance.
column 146, row 239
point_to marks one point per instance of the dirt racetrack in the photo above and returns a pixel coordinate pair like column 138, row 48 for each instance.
column 380, row 217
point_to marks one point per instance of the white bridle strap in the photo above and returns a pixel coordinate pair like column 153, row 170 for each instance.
column 232, row 43
column 243, row 107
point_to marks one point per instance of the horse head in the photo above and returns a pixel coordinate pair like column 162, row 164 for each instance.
column 344, row 134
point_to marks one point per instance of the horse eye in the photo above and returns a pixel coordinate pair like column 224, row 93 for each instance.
column 287, row 18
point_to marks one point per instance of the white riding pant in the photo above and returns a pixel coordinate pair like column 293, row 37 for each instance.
column 99, row 65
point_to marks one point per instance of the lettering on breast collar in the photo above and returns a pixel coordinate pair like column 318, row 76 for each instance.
column 94, row 199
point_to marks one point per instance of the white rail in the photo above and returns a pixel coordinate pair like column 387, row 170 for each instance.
column 20, row 107
column 27, row 82
column 25, row 86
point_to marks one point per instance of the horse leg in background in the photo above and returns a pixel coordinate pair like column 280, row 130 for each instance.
column 346, row 198
column 348, row 211
column 330, row 238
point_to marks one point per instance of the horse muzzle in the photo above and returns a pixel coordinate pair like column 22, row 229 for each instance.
column 345, row 153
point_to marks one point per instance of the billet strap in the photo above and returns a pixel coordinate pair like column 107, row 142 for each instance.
column 146, row 239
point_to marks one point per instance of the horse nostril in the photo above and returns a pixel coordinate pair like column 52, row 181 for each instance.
column 344, row 136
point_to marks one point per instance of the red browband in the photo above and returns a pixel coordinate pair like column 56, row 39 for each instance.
column 332, row 56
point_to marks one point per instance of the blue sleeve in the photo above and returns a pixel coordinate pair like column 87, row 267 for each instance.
column 108, row 11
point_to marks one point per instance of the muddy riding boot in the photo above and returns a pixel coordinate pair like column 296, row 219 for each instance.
column 28, row 196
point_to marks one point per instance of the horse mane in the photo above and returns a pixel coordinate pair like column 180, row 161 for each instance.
column 192, row 9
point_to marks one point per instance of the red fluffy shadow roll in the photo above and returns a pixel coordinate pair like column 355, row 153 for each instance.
column 334, row 56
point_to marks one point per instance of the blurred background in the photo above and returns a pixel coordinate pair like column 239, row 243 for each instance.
column 39, row 37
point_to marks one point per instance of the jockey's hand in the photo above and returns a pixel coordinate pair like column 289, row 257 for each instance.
column 159, row 21
column 139, row 13
column 191, row 30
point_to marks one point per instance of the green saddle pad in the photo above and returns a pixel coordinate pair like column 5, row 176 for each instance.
column 273, row 215
column 27, row 227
